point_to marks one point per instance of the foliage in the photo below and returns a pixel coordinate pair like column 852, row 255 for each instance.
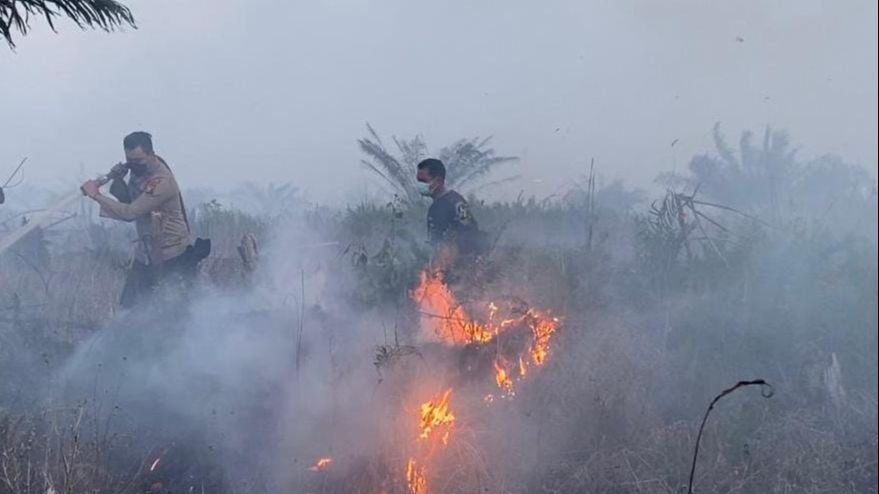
column 103, row 14
column 272, row 200
column 768, row 180
column 387, row 255
column 225, row 226
column 674, row 300
column 468, row 162
column 676, row 237
column 755, row 176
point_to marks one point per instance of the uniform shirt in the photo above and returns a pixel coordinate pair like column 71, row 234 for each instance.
column 449, row 220
column 154, row 192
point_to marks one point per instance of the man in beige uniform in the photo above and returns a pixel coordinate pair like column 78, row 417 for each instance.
column 152, row 200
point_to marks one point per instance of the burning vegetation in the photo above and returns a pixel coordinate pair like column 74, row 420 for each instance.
column 579, row 357
column 521, row 336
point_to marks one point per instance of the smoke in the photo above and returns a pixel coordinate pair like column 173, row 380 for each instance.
column 320, row 353
column 261, row 381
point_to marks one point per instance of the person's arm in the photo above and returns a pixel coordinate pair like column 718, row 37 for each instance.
column 446, row 254
column 463, row 217
column 445, row 250
column 156, row 192
column 118, row 188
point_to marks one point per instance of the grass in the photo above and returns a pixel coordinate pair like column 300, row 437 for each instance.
column 657, row 319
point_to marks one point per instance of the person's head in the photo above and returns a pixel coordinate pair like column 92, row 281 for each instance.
column 431, row 176
column 138, row 151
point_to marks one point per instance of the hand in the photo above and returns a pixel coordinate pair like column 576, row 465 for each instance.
column 446, row 254
column 91, row 188
column 119, row 170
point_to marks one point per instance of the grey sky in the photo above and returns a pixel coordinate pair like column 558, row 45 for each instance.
column 280, row 91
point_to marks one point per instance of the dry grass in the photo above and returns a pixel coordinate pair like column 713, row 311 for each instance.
column 615, row 409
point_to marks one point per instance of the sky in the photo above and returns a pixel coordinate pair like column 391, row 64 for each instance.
column 272, row 92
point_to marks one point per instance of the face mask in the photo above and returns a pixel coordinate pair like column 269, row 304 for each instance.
column 138, row 168
column 423, row 188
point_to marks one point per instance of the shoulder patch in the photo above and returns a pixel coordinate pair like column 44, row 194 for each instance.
column 462, row 212
column 152, row 184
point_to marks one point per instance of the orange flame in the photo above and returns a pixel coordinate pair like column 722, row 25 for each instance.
column 416, row 478
column 321, row 464
column 435, row 414
column 443, row 319
column 542, row 329
column 442, row 316
column 502, row 378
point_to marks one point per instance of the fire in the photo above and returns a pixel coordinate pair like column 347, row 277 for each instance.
column 416, row 478
column 436, row 414
column 503, row 380
column 445, row 320
column 155, row 464
column 321, row 464
column 443, row 316
column 542, row 329
column 435, row 424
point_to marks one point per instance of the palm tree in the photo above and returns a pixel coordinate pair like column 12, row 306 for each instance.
column 758, row 176
column 270, row 200
column 468, row 162
column 102, row 14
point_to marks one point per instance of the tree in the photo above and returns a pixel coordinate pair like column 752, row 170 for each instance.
column 468, row 162
column 15, row 15
column 271, row 200
column 770, row 180
column 752, row 175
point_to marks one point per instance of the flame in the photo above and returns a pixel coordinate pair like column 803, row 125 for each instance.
column 321, row 464
column 442, row 316
column 502, row 378
column 542, row 329
column 155, row 463
column 416, row 478
column 445, row 320
column 435, row 414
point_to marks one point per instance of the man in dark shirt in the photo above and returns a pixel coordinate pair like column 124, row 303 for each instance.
column 451, row 227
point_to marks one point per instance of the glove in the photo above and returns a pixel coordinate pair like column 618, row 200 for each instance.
column 118, row 171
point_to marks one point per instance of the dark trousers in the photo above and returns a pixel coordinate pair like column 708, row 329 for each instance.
column 142, row 281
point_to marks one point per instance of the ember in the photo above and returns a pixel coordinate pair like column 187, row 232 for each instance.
column 321, row 464
column 416, row 479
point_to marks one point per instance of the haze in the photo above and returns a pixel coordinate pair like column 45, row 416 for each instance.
column 280, row 91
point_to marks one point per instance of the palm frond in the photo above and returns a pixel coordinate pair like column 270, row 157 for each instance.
column 495, row 183
column 394, row 185
column 467, row 161
column 723, row 149
column 108, row 15
column 388, row 167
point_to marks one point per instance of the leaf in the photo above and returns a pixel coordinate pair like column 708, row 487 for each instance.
column 107, row 15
